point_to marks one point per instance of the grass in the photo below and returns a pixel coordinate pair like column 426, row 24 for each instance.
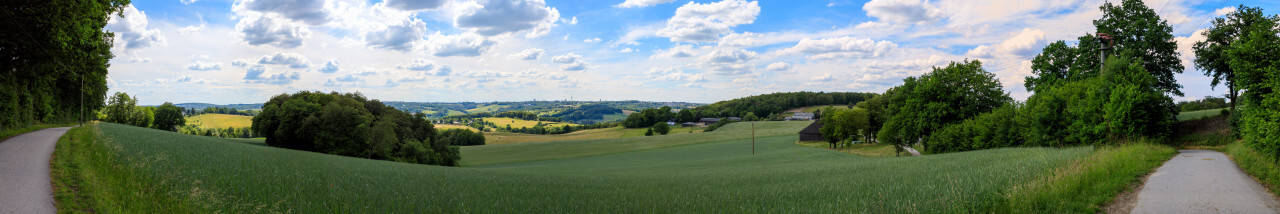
column 613, row 117
column 717, row 175
column 486, row 108
column 6, row 134
column 492, row 138
column 676, row 129
column 220, row 121
column 864, row 149
column 1264, row 169
column 518, row 123
column 90, row 177
column 523, row 152
column 1192, row 115
column 1086, row 184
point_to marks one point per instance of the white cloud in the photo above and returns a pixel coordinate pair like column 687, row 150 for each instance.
column 678, row 51
column 778, row 66
column 728, row 61
column 329, row 67
column 496, row 17
column 311, row 12
column 255, row 75
column 414, row 4
column 575, row 66
column 840, row 48
column 240, row 63
column 641, row 3
column 293, row 60
column 1026, row 43
column 592, row 40
column 529, row 54
column 188, row 1
column 744, row 39
column 204, row 66
column 565, row 59
column 399, row 37
column 903, row 11
column 627, row 50
column 132, row 29
column 695, row 22
column 982, row 51
column 418, row 65
column 191, row 29
column 1224, row 11
column 673, row 74
column 571, row 62
column 260, row 30
column 823, row 78
column 465, row 44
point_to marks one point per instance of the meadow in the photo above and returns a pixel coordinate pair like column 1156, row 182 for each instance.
column 492, row 138
column 220, row 121
column 717, row 173
column 517, row 123
column 1192, row 115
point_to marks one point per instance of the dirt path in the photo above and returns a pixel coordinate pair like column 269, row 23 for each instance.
column 1202, row 181
column 24, row 172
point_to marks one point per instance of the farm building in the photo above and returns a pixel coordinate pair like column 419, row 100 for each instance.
column 734, row 118
column 800, row 116
column 811, row 133
column 688, row 124
column 708, row 121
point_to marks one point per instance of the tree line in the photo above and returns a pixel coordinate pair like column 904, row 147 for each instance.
column 54, row 58
column 219, row 110
column 1209, row 102
column 124, row 109
column 351, row 125
column 1077, row 100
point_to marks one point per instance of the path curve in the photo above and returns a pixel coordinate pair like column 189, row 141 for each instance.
column 24, row 172
column 1203, row 181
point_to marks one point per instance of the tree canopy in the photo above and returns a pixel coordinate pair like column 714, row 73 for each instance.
column 1133, row 27
column 947, row 95
column 1211, row 53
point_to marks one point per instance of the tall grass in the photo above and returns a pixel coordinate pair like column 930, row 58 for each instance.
column 89, row 177
column 1255, row 164
column 720, row 175
column 1086, row 184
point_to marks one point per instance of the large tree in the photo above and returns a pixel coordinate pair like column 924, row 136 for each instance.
column 1211, row 53
column 168, row 116
column 839, row 125
column 941, row 97
column 1133, row 27
column 53, row 59
column 1256, row 65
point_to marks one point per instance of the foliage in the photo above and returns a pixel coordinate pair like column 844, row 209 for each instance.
column 942, row 97
column 123, row 109
column 996, row 129
column 1255, row 64
column 1135, row 28
column 840, row 125
column 1086, row 184
column 168, row 117
column 648, row 117
column 1211, row 54
column 350, row 125
column 1209, row 102
column 460, row 137
column 242, row 176
column 661, row 128
column 54, row 58
column 588, row 112
column 777, row 103
column 718, row 124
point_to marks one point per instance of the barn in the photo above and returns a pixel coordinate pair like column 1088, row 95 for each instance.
column 811, row 132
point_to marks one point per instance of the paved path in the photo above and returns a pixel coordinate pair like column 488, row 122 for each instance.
column 1202, row 181
column 24, row 172
column 911, row 150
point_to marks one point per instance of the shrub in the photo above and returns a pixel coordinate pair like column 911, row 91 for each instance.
column 661, row 128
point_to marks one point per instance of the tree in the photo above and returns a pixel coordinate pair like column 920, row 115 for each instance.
column 119, row 108
column 1255, row 65
column 169, row 116
column 661, row 128
column 686, row 115
column 1052, row 66
column 1211, row 53
column 839, row 125
column 648, row 132
column 941, row 97
column 750, row 117
column 1139, row 29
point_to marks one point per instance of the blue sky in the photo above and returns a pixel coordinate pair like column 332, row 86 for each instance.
column 245, row 51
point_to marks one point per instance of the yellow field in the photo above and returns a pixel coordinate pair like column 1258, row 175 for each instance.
column 451, row 126
column 517, row 123
column 491, row 138
column 220, row 121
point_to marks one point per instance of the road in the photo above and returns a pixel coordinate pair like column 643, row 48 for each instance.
column 24, row 172
column 1202, row 181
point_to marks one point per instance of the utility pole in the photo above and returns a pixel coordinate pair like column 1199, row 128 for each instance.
column 753, row 137
column 1107, row 42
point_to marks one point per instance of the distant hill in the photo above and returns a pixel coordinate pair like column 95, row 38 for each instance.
column 580, row 110
column 767, row 104
column 206, row 105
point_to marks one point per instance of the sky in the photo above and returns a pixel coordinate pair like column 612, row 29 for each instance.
column 245, row 51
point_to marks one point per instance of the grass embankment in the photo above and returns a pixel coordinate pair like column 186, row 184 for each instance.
column 89, row 177
column 533, row 151
column 721, row 175
column 6, row 134
column 1264, row 169
column 878, row 150
column 1088, row 183
column 220, row 121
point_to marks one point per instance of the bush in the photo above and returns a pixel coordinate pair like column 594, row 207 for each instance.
column 661, row 128
column 460, row 137
column 350, row 125
column 168, row 117
column 717, row 125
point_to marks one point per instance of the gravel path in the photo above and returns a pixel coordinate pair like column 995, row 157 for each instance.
column 1202, row 181
column 24, row 172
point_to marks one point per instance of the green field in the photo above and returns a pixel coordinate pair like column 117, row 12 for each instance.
column 714, row 174
column 220, row 121
column 492, row 138
column 485, row 108
column 613, row 117
column 451, row 126
column 1191, row 115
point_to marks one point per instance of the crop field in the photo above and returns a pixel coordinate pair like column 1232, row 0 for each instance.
column 613, row 117
column 1191, row 115
column 517, row 123
column 720, row 175
column 486, row 108
column 451, row 126
column 220, row 120
column 492, row 138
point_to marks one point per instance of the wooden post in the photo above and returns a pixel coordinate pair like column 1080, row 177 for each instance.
column 753, row 137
